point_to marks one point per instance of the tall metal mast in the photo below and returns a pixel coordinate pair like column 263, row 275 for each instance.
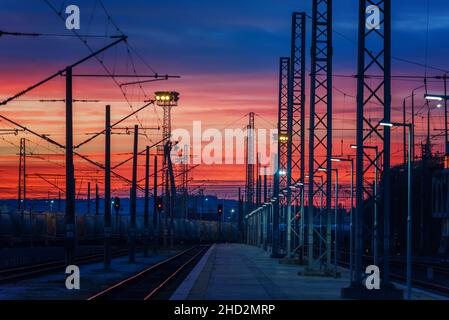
column 374, row 58
column 70, row 175
column 167, row 100
column 296, row 127
column 21, row 199
column 320, row 137
column 250, row 164
column 280, row 176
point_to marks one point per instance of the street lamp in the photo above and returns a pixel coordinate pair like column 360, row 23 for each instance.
column 351, row 236
column 435, row 97
column 440, row 98
column 409, row 206
column 375, row 243
column 335, row 215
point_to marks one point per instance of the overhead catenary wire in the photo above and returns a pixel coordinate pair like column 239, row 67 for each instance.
column 101, row 61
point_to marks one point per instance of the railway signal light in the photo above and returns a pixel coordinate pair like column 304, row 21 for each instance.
column 298, row 216
column 220, row 209
column 116, row 203
column 159, row 204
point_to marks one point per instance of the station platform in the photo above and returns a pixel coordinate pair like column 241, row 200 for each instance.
column 242, row 272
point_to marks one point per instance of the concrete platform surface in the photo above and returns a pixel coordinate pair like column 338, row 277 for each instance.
column 241, row 272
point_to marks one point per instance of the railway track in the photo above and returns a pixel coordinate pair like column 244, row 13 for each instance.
column 28, row 271
column 146, row 284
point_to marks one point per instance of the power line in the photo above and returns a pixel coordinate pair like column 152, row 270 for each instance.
column 39, row 34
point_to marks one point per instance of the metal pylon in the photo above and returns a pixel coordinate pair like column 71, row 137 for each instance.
column 250, row 147
column 374, row 58
column 279, row 178
column 320, row 137
column 296, row 130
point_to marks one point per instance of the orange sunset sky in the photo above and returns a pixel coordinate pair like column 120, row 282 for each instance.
column 227, row 54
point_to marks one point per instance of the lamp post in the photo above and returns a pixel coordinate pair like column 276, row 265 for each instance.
column 409, row 204
column 335, row 218
column 321, row 213
column 351, row 234
column 440, row 98
column 412, row 96
column 375, row 243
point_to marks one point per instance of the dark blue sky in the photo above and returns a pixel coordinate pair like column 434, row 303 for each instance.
column 210, row 36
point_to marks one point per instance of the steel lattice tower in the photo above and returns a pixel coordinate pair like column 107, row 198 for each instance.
column 374, row 58
column 320, row 138
column 283, row 126
column 296, row 126
column 280, row 178
column 250, row 164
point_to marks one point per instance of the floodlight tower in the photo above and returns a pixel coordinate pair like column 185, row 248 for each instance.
column 167, row 100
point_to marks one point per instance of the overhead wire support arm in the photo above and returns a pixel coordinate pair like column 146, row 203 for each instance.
column 61, row 72
column 42, row 136
column 49, row 182
column 38, row 34
column 115, row 124
column 140, row 153
column 46, row 138
column 155, row 76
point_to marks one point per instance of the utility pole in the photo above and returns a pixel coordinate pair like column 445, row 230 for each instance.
column 265, row 190
column 22, row 176
column 185, row 180
column 446, row 138
column 170, row 191
column 19, row 196
column 240, row 221
column 107, row 191
column 133, row 205
column 166, row 199
column 404, row 134
column 259, row 183
column 70, row 176
column 88, row 197
column 155, row 210
column 97, row 200
column 146, row 215
column 336, row 226
column 250, row 164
